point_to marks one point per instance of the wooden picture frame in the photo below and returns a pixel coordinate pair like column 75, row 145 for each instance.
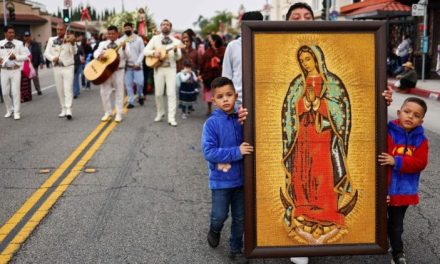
column 298, row 141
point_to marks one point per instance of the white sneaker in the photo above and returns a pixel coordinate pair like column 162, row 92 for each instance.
column 184, row 116
column 158, row 118
column 8, row 114
column 172, row 123
column 118, row 118
column 105, row 118
column 62, row 114
column 17, row 116
column 300, row 260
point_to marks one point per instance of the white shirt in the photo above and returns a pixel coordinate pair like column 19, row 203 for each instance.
column 123, row 54
column 156, row 42
column 65, row 52
column 232, row 66
column 21, row 53
column 136, row 50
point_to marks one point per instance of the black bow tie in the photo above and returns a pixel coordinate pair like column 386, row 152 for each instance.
column 166, row 40
column 58, row 41
column 9, row 45
column 112, row 45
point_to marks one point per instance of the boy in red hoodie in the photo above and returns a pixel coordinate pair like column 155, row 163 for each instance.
column 407, row 156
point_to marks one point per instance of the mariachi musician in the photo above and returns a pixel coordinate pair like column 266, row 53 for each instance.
column 116, row 80
column 165, row 73
column 60, row 51
column 12, row 55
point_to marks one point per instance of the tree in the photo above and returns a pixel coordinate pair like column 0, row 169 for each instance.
column 211, row 25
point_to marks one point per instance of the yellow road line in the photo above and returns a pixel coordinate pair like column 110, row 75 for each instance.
column 14, row 245
column 16, row 218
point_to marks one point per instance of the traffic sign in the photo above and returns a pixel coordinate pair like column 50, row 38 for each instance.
column 418, row 10
column 67, row 3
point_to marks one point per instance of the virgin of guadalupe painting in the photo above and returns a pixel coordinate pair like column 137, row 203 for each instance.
column 316, row 122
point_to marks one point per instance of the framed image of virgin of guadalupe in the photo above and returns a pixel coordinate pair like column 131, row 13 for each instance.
column 317, row 120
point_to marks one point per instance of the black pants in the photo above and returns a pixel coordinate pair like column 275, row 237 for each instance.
column 396, row 214
column 405, row 84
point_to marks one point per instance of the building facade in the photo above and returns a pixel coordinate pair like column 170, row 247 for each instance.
column 33, row 17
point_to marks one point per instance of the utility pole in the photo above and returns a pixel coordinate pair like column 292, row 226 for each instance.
column 425, row 38
column 4, row 13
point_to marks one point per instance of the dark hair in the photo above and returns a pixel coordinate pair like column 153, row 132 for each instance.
column 217, row 39
column 112, row 28
column 191, row 37
column 418, row 101
column 190, row 32
column 187, row 63
column 220, row 82
column 297, row 6
column 166, row 20
column 252, row 15
column 8, row 28
column 128, row 24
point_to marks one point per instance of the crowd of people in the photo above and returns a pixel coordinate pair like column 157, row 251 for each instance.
column 181, row 69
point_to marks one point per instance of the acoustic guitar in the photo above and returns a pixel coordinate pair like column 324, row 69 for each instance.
column 154, row 62
column 98, row 71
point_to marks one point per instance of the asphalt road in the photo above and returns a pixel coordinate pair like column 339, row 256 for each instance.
column 148, row 201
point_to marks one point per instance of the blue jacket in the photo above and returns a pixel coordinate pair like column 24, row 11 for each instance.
column 410, row 151
column 221, row 139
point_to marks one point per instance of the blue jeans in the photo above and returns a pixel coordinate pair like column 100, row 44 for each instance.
column 131, row 77
column 221, row 200
column 76, row 76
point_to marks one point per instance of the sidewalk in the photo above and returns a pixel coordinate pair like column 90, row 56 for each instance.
column 428, row 88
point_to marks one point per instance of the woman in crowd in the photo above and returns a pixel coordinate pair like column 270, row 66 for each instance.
column 211, row 66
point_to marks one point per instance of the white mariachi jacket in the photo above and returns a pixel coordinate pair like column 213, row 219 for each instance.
column 123, row 54
column 21, row 53
column 65, row 52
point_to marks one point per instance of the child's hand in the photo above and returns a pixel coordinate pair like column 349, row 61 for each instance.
column 242, row 113
column 386, row 159
column 388, row 95
column 245, row 148
column 388, row 199
column 225, row 167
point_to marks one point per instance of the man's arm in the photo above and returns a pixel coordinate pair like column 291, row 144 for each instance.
column 99, row 50
column 140, row 46
column 227, row 63
column 149, row 49
column 178, row 54
column 47, row 52
column 22, row 53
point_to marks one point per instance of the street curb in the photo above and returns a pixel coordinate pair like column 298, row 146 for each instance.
column 422, row 92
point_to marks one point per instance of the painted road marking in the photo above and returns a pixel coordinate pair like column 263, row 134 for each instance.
column 45, row 88
column 18, row 228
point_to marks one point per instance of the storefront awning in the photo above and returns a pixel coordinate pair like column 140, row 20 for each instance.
column 21, row 19
column 376, row 9
column 73, row 26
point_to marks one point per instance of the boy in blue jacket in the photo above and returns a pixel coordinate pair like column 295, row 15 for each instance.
column 223, row 148
column 407, row 156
